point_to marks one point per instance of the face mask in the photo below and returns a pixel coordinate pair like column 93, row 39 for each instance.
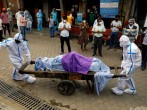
column 99, row 23
column 64, row 21
column 84, row 21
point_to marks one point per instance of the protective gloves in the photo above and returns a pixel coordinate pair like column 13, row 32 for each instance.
column 125, row 73
column 31, row 62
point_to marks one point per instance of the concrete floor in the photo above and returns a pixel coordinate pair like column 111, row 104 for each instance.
column 42, row 45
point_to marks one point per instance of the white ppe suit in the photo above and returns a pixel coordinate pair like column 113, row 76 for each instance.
column 130, row 64
column 16, row 51
column 17, row 16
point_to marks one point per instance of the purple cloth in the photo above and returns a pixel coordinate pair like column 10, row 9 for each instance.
column 74, row 62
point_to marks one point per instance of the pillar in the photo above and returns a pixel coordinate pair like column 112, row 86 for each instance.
column 129, row 9
column 45, row 8
column 84, row 7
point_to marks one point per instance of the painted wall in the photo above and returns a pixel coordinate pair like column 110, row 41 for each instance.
column 1, row 5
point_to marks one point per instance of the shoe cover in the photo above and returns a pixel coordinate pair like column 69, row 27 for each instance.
column 18, row 77
column 30, row 79
column 129, row 91
column 117, row 91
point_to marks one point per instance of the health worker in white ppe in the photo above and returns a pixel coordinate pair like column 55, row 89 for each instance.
column 130, row 64
column 17, row 47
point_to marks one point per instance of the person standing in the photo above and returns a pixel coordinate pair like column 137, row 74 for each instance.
column 29, row 22
column 64, row 28
column 92, row 18
column 70, row 19
column 10, row 16
column 116, row 25
column 16, row 48
column 96, row 20
column 130, row 64
column 23, row 24
column 51, row 26
column 54, row 14
column 95, row 23
column 83, row 37
column 26, row 14
column 1, row 30
column 17, row 16
column 39, row 19
column 5, row 20
column 131, row 30
column 144, row 51
column 55, row 18
column 29, row 25
column 98, row 31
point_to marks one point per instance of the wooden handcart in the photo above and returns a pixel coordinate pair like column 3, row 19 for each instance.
column 67, row 86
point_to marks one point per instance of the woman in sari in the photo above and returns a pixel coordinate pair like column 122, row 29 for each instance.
column 83, row 37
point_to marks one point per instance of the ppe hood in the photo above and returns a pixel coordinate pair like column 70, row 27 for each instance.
column 124, row 41
column 18, row 37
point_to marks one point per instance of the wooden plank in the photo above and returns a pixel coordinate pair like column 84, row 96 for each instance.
column 54, row 72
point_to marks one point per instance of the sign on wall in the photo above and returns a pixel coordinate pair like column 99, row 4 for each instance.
column 79, row 17
column 109, row 8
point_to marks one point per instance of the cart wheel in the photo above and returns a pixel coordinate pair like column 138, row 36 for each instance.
column 66, row 87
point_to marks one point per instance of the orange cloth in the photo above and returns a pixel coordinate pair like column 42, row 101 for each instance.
column 70, row 19
column 3, row 9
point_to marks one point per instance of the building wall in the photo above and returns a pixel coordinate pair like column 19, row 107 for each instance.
column 1, row 5
column 12, row 4
column 126, row 8
column 45, row 9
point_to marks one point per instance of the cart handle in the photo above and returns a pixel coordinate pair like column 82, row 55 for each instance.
column 24, row 66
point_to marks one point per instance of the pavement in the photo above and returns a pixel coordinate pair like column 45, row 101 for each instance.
column 41, row 45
